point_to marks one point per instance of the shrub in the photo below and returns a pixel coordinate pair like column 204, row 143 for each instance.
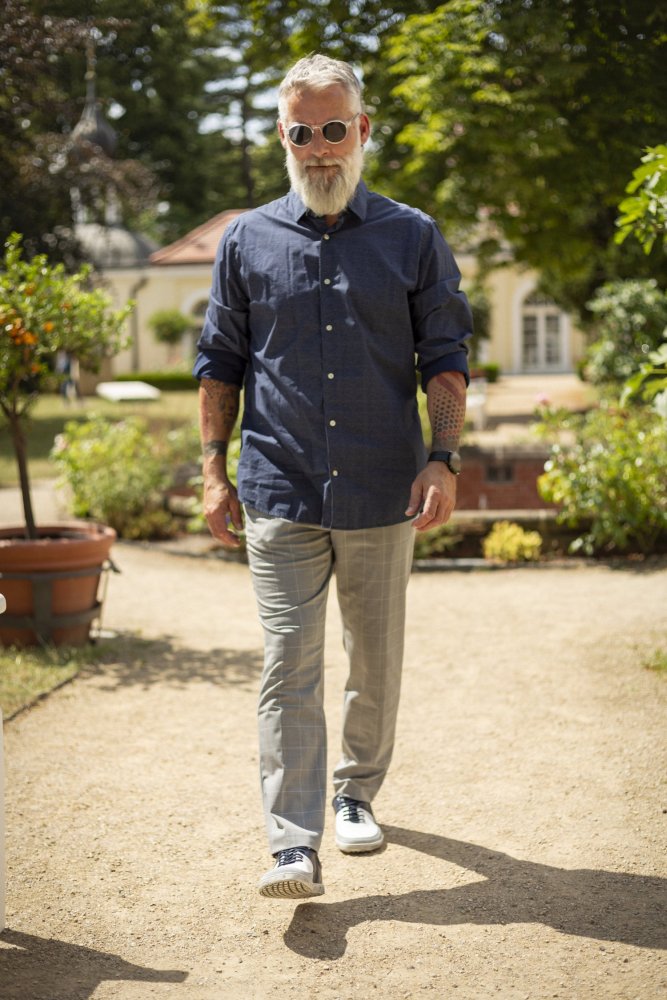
column 610, row 479
column 631, row 322
column 491, row 371
column 644, row 208
column 118, row 473
column 169, row 325
column 649, row 384
column 167, row 381
column 45, row 311
column 508, row 542
column 436, row 542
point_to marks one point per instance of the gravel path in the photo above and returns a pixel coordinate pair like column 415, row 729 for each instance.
column 525, row 810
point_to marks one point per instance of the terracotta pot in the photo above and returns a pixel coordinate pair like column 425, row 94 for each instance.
column 51, row 584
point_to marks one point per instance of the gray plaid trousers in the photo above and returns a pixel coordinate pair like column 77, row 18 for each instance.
column 291, row 566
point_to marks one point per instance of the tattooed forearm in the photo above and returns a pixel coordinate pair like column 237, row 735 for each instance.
column 446, row 405
column 215, row 448
column 222, row 398
column 218, row 410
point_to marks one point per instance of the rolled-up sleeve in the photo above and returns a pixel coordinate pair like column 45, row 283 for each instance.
column 441, row 315
column 223, row 343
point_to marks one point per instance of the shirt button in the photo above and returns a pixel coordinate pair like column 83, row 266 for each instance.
column 326, row 236
column 334, row 472
column 327, row 281
column 332, row 423
column 330, row 375
column 329, row 326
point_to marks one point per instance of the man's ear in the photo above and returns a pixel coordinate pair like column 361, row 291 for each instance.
column 364, row 128
column 282, row 134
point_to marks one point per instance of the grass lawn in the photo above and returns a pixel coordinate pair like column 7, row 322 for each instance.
column 51, row 413
column 27, row 674
column 657, row 661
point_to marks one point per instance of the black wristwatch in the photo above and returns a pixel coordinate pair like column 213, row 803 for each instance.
column 452, row 460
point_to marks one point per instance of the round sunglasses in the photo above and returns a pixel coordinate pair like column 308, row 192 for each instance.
column 334, row 131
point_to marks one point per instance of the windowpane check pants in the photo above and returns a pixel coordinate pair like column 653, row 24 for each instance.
column 291, row 566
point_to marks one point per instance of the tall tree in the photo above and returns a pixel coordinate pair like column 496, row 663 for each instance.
column 32, row 200
column 527, row 116
column 242, row 99
column 154, row 59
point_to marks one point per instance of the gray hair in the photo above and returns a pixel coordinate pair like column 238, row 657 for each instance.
column 316, row 72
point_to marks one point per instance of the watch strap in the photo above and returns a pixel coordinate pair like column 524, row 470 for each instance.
column 450, row 458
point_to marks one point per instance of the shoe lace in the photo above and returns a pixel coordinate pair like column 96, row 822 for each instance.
column 351, row 811
column 290, row 856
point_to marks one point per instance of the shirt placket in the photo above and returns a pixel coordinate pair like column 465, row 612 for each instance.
column 332, row 376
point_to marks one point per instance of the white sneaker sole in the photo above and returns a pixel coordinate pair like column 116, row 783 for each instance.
column 288, row 887
column 359, row 846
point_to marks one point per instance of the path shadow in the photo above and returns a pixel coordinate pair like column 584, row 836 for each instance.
column 602, row 905
column 37, row 968
column 127, row 660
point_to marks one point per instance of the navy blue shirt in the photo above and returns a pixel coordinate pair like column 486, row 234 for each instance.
column 321, row 325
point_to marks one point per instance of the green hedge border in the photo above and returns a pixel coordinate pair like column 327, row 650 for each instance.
column 168, row 381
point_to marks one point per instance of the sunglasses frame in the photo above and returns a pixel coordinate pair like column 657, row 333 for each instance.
column 320, row 128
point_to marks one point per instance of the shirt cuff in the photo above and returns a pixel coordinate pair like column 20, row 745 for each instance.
column 222, row 366
column 450, row 363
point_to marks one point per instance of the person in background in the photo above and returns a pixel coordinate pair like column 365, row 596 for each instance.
column 321, row 302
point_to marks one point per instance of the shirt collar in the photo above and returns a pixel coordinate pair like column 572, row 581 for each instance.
column 358, row 203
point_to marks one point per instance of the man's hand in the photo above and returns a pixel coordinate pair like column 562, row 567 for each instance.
column 222, row 509
column 434, row 491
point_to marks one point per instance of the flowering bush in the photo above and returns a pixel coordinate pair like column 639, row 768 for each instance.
column 43, row 311
column 631, row 321
column 118, row 473
column 607, row 471
column 509, row 542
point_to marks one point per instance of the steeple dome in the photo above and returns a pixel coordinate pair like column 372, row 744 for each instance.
column 93, row 127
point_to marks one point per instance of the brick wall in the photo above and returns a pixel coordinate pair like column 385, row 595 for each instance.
column 500, row 479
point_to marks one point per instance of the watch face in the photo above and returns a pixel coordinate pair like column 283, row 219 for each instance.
column 454, row 462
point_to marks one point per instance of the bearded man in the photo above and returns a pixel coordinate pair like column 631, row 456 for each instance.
column 321, row 302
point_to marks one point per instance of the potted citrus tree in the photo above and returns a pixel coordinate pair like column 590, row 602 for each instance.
column 48, row 571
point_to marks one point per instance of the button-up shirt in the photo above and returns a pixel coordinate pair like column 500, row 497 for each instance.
column 322, row 326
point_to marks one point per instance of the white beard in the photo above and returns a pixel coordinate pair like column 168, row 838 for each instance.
column 322, row 193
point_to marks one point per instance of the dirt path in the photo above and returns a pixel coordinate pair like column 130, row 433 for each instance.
column 525, row 811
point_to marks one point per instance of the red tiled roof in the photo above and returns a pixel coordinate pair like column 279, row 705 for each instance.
column 200, row 245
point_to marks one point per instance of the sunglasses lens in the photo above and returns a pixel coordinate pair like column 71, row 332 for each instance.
column 300, row 135
column 334, row 131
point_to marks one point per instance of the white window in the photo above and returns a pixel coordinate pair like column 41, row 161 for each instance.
column 542, row 335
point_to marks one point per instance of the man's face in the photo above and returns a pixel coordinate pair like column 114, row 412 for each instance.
column 325, row 175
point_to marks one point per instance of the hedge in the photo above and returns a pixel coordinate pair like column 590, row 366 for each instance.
column 168, row 381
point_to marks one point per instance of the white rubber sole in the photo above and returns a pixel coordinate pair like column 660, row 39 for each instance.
column 359, row 846
column 285, row 886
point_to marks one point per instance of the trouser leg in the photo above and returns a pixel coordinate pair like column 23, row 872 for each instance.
column 372, row 572
column 291, row 566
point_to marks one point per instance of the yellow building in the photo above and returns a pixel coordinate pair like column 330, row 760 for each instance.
column 529, row 334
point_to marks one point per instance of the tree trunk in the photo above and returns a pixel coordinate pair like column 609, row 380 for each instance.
column 18, row 440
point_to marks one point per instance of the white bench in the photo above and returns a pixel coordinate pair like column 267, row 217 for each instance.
column 118, row 392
